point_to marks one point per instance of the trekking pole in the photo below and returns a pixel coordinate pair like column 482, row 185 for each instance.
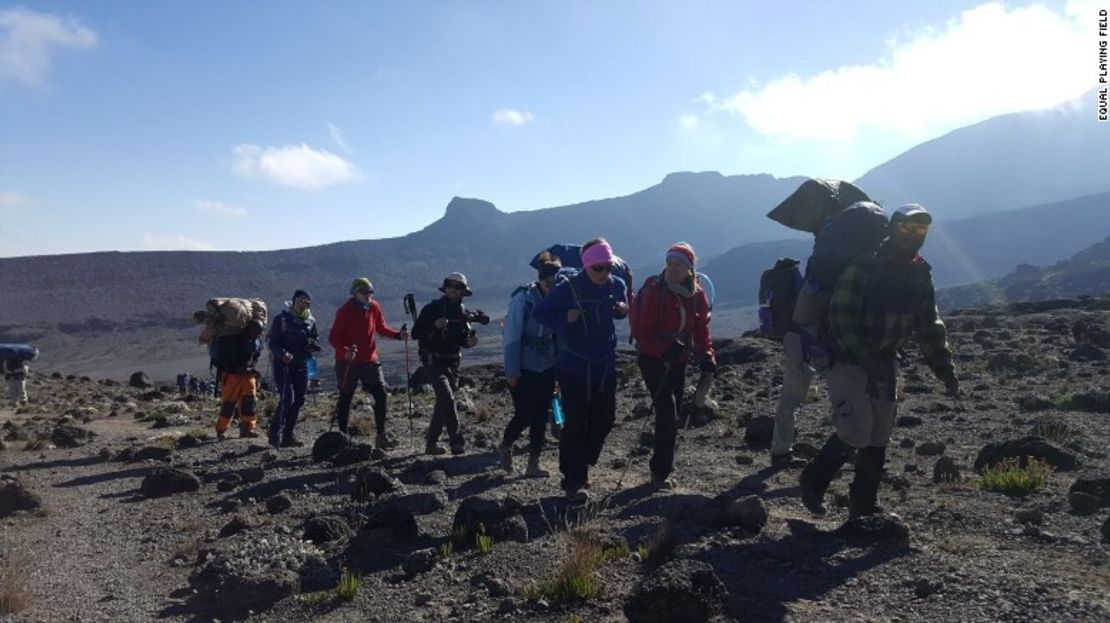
column 408, row 392
column 647, row 418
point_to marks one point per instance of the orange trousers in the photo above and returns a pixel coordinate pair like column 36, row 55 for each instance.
column 238, row 391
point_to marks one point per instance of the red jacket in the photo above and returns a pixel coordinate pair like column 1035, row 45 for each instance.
column 657, row 322
column 358, row 326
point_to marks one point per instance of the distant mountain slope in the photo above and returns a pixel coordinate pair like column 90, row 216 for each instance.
column 1006, row 162
column 1086, row 273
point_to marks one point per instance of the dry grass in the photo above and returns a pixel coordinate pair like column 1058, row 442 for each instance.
column 661, row 546
column 14, row 578
column 1013, row 478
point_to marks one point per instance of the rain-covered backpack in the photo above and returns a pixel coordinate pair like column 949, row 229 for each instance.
column 854, row 233
column 778, row 292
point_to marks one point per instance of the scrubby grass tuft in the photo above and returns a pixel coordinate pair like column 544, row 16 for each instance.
column 661, row 546
column 1012, row 478
column 349, row 583
column 482, row 541
column 1056, row 430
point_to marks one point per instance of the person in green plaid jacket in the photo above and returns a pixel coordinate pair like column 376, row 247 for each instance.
column 879, row 303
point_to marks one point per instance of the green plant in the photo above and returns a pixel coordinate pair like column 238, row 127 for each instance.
column 1011, row 477
column 446, row 549
column 1065, row 402
column 643, row 552
column 316, row 599
column 662, row 544
column 483, row 541
column 349, row 583
column 575, row 579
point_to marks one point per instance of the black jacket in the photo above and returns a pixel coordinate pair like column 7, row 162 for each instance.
column 445, row 343
column 236, row 353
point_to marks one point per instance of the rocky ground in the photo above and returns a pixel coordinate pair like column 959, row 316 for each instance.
column 116, row 504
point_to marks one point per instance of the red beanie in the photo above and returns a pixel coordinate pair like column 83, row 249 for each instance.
column 684, row 253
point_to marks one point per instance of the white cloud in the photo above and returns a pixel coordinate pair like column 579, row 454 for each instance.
column 689, row 122
column 219, row 208
column 29, row 39
column 297, row 166
column 988, row 61
column 159, row 242
column 13, row 200
column 337, row 136
column 508, row 116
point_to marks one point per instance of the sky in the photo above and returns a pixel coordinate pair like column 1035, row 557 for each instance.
column 256, row 125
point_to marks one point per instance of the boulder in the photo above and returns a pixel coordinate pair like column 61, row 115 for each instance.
column 1087, row 352
column 494, row 517
column 373, row 481
column 352, row 454
column 1098, row 486
column 1083, row 503
column 389, row 514
column 328, row 445
column 931, row 448
column 681, row 590
column 165, row 481
column 872, row 528
column 1033, row 403
column 69, row 436
column 244, row 574
column 140, row 380
column 1036, row 447
column 326, row 528
column 15, row 497
column 237, row 524
column 946, row 470
column 278, row 504
column 747, row 512
column 420, row 561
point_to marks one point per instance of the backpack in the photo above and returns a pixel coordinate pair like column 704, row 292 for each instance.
column 227, row 316
column 815, row 202
column 854, row 233
column 778, row 292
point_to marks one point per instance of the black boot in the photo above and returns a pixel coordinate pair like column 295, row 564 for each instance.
column 819, row 473
column 864, row 492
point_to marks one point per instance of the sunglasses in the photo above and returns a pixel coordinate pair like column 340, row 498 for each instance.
column 451, row 285
column 918, row 229
column 305, row 302
column 365, row 291
column 602, row 268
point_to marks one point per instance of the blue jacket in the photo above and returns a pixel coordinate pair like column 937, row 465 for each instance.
column 290, row 334
column 587, row 348
column 529, row 345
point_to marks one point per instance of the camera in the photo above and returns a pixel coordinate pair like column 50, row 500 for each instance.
column 478, row 316
column 313, row 345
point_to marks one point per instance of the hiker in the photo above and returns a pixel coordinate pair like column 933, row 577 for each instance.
column 778, row 292
column 570, row 257
column 235, row 358
column 671, row 327
column 194, row 385
column 292, row 341
column 183, row 383
column 878, row 304
column 529, row 368
column 442, row 330
column 581, row 310
column 353, row 335
column 15, row 373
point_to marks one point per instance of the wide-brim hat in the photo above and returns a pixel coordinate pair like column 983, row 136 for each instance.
column 457, row 278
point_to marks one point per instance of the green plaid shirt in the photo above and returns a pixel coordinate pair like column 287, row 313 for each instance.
column 870, row 322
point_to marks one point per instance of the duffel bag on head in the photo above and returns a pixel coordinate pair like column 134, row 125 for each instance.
column 226, row 316
column 21, row 352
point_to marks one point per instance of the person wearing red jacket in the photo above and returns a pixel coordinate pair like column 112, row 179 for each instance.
column 352, row 335
column 671, row 328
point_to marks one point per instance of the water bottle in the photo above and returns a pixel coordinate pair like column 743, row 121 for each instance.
column 310, row 364
column 557, row 409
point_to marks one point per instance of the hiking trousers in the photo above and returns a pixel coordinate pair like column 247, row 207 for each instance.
column 237, row 391
column 666, row 385
column 797, row 374
column 531, row 401
column 348, row 375
column 589, row 414
column 445, row 382
column 862, row 420
column 292, row 382
column 17, row 390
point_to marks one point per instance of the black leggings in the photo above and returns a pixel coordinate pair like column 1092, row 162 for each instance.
column 531, row 401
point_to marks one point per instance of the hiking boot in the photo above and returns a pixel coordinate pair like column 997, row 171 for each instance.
column 813, row 496
column 782, row 460
column 434, row 448
column 292, row 442
column 505, row 457
column 221, row 435
column 457, row 447
column 385, row 441
column 534, row 470
column 663, row 484
column 577, row 496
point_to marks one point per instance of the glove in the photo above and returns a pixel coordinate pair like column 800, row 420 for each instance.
column 708, row 365
column 675, row 352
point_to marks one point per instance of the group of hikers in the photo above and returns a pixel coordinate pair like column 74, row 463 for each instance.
column 560, row 340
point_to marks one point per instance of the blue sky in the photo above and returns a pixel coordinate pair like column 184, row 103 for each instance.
column 261, row 125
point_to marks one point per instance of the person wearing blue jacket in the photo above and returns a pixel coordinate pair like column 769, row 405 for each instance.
column 529, row 369
column 581, row 310
column 292, row 341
